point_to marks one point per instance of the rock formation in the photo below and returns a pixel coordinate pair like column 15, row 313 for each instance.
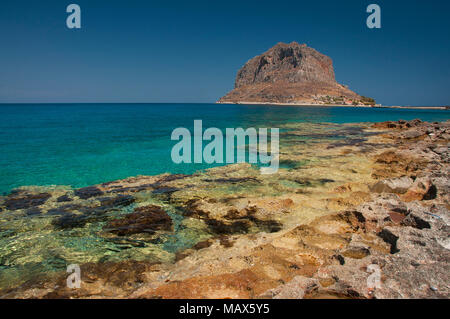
column 290, row 73
column 373, row 198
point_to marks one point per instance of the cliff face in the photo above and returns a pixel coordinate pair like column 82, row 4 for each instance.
column 289, row 73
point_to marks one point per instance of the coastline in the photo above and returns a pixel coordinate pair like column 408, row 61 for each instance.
column 340, row 105
column 310, row 231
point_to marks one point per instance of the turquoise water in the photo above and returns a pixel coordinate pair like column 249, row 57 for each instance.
column 85, row 144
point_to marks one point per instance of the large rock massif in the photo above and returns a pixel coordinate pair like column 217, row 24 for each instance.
column 290, row 73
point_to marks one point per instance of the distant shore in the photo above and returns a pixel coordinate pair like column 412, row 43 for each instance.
column 415, row 107
column 342, row 105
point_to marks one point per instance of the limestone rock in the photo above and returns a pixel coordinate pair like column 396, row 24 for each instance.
column 295, row 289
column 422, row 189
column 393, row 185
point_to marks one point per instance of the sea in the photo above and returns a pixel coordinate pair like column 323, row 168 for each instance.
column 86, row 144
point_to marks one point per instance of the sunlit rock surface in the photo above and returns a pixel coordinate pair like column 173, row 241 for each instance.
column 290, row 73
column 345, row 197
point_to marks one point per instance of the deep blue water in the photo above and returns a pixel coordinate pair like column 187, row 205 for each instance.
column 85, row 144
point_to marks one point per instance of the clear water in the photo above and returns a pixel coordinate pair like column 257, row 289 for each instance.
column 86, row 144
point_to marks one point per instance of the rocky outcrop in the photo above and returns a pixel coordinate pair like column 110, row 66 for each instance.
column 290, row 73
column 322, row 228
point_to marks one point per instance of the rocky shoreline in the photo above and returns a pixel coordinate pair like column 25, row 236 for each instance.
column 377, row 196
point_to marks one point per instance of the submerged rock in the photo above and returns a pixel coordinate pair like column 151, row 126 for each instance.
column 146, row 219
column 23, row 200
column 64, row 198
column 311, row 232
column 88, row 192
column 116, row 201
column 69, row 220
column 226, row 218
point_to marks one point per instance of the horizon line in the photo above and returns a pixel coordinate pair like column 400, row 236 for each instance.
column 3, row 103
column 24, row 103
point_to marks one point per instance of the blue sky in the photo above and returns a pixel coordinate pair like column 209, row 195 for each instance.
column 190, row 51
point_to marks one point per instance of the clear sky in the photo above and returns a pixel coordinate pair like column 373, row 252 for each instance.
column 190, row 51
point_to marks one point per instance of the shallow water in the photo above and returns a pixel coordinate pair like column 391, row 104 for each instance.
column 86, row 144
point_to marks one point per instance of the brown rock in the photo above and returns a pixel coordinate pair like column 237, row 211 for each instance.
column 396, row 217
column 288, row 73
column 226, row 286
column 146, row 219
column 23, row 200
column 401, row 124
column 356, row 252
column 88, row 192
column 394, row 185
column 295, row 289
column 392, row 163
column 422, row 189
column 385, row 125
